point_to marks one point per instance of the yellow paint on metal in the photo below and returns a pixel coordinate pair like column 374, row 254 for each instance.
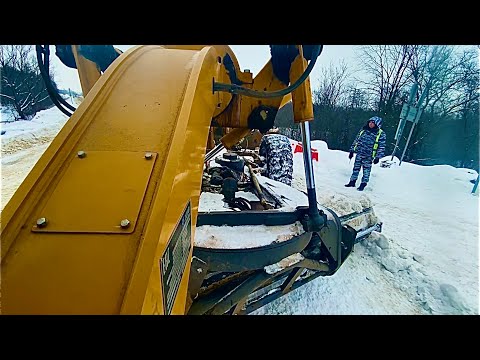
column 211, row 139
column 150, row 99
column 246, row 77
column 88, row 71
column 223, row 99
column 234, row 137
column 155, row 99
column 186, row 167
column 110, row 183
column 252, row 140
column 241, row 107
column 286, row 99
column 301, row 96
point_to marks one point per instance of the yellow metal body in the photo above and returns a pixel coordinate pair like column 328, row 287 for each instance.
column 88, row 71
column 234, row 136
column 301, row 96
column 82, row 261
column 286, row 99
column 93, row 226
column 241, row 107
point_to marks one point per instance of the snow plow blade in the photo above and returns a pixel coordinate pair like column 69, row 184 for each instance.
column 240, row 281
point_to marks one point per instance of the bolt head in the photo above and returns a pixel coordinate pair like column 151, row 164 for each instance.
column 42, row 222
column 125, row 223
column 81, row 154
column 148, row 155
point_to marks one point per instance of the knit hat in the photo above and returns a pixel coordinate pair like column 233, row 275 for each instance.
column 377, row 120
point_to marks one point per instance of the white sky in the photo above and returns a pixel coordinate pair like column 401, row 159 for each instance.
column 425, row 260
column 252, row 57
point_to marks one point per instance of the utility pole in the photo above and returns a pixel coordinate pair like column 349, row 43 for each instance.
column 475, row 187
column 417, row 118
column 403, row 116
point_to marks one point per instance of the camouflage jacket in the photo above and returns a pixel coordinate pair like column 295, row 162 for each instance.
column 364, row 143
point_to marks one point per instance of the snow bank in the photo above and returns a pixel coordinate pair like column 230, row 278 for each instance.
column 22, row 144
column 24, row 134
column 425, row 261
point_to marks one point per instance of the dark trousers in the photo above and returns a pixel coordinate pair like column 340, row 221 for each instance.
column 366, row 163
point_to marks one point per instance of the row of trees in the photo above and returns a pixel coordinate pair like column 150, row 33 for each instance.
column 22, row 88
column 448, row 131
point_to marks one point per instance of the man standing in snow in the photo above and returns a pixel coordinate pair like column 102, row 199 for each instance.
column 369, row 145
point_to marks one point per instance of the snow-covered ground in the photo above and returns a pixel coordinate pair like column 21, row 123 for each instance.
column 425, row 261
column 23, row 143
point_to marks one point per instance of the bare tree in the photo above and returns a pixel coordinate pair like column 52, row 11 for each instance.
column 445, row 72
column 22, row 86
column 386, row 67
column 468, row 105
column 332, row 86
column 449, row 76
column 356, row 98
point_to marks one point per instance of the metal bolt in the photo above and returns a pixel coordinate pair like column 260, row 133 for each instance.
column 199, row 270
column 42, row 222
column 148, row 156
column 81, row 154
column 125, row 223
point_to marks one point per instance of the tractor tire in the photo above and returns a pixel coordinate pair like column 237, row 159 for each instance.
column 277, row 151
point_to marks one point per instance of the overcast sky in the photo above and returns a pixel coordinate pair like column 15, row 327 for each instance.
column 252, row 57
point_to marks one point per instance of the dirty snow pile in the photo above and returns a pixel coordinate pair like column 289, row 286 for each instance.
column 24, row 134
column 22, row 144
column 425, row 260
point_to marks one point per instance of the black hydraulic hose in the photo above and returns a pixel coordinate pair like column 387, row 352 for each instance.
column 237, row 89
column 47, row 67
column 46, row 78
column 47, row 59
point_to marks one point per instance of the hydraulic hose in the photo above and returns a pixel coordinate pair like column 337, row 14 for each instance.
column 46, row 66
column 54, row 96
column 237, row 89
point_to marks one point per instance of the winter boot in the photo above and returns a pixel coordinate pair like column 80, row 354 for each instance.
column 351, row 184
column 362, row 186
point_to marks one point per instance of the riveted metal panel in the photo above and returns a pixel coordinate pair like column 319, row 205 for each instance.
column 100, row 192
